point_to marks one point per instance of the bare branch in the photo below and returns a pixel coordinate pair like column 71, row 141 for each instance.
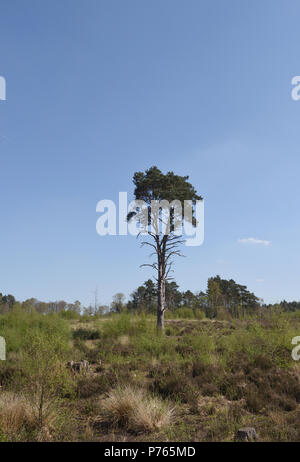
column 175, row 252
column 148, row 243
column 153, row 265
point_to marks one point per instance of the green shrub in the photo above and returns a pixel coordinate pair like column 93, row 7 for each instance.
column 119, row 325
column 17, row 325
column 86, row 334
column 199, row 346
column 91, row 386
column 199, row 314
column 68, row 314
column 184, row 313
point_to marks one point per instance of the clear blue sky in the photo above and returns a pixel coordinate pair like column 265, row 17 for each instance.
column 99, row 89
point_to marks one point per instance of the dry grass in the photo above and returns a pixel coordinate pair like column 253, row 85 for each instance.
column 151, row 415
column 15, row 413
column 119, row 405
column 220, row 376
column 133, row 409
column 209, row 405
column 124, row 340
column 19, row 416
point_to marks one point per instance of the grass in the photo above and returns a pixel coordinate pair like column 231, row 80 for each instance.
column 219, row 375
column 15, row 415
column 134, row 410
column 19, row 420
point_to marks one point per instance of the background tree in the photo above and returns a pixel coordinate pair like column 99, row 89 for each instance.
column 233, row 297
column 189, row 299
column 118, row 303
column 150, row 186
column 6, row 303
column 76, row 307
column 213, row 296
column 144, row 298
column 173, row 295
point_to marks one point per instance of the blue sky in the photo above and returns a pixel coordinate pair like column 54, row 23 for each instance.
column 99, row 89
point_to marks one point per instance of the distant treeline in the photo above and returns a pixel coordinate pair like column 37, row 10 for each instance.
column 222, row 298
column 8, row 302
column 284, row 306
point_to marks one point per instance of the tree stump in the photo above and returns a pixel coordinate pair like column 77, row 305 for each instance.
column 246, row 434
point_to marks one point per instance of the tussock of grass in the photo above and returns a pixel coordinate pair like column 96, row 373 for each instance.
column 151, row 415
column 19, row 420
column 135, row 411
column 15, row 413
column 18, row 417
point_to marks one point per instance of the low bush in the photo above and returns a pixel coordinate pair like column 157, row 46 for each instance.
column 173, row 383
column 86, row 334
column 69, row 314
column 17, row 325
column 91, row 386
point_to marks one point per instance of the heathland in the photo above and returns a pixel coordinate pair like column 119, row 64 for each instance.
column 200, row 380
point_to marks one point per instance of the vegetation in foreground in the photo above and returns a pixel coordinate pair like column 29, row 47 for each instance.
column 200, row 381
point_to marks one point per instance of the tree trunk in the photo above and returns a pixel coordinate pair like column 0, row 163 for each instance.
column 161, row 303
column 161, row 282
column 41, row 407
